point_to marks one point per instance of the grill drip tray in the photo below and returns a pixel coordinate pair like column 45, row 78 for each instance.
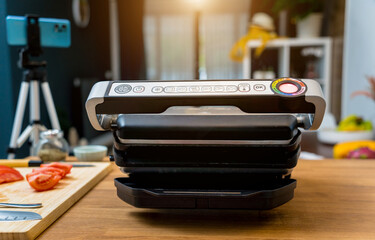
column 163, row 195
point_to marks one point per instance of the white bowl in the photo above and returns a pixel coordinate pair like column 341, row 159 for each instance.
column 332, row 136
column 90, row 153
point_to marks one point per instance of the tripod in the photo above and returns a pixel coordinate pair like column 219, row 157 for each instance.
column 34, row 75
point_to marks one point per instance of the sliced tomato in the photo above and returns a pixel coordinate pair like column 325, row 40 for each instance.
column 8, row 174
column 6, row 177
column 5, row 167
column 42, row 181
column 51, row 170
column 64, row 166
column 47, row 171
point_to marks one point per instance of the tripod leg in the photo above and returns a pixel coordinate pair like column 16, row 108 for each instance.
column 18, row 118
column 50, row 106
column 34, row 112
column 24, row 135
column 42, row 128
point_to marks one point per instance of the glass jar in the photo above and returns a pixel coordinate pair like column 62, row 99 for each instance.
column 52, row 146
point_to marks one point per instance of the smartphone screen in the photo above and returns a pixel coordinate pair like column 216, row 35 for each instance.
column 53, row 32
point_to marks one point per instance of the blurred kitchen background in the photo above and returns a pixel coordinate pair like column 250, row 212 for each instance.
column 331, row 41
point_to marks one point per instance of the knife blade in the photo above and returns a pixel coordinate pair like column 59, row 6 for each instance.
column 9, row 216
column 21, row 205
column 34, row 163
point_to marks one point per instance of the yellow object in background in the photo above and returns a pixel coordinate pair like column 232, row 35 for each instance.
column 341, row 150
column 354, row 123
column 255, row 33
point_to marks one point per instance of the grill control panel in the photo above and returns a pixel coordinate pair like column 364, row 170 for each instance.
column 284, row 86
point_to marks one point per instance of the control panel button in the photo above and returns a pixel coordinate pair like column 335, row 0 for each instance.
column 244, row 87
column 259, row 87
column 138, row 89
column 169, row 89
column 123, row 88
column 288, row 88
column 219, row 88
column 206, row 88
column 231, row 88
column 157, row 89
column 181, row 89
column 194, row 89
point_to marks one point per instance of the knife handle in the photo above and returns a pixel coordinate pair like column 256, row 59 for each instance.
column 21, row 163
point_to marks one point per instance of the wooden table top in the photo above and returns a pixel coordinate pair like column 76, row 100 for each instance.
column 334, row 199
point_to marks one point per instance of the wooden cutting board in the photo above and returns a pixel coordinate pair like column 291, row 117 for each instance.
column 55, row 202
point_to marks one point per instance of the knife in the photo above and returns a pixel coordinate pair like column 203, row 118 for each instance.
column 21, row 205
column 7, row 216
column 33, row 163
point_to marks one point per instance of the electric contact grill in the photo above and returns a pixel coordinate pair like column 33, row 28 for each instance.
column 207, row 143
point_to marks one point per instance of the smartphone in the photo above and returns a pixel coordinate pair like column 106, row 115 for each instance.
column 53, row 32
